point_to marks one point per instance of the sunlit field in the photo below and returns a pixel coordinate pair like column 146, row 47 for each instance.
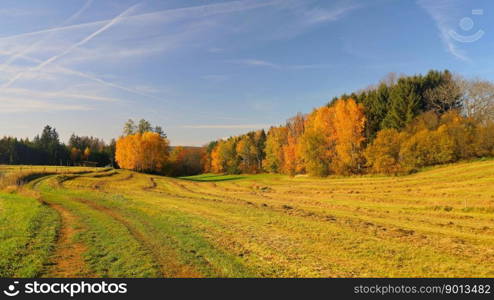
column 115, row 223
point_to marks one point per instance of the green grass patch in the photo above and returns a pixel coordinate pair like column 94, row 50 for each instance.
column 112, row 250
column 27, row 235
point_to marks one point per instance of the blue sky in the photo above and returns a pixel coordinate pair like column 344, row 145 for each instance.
column 210, row 69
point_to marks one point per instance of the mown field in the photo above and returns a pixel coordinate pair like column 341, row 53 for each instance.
column 116, row 223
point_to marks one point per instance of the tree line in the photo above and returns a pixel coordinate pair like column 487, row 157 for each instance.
column 397, row 126
column 401, row 124
column 142, row 148
column 47, row 149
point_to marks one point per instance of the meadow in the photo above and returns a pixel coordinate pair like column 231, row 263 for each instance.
column 101, row 222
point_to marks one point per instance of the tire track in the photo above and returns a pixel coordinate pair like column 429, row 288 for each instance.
column 168, row 266
column 152, row 185
column 68, row 260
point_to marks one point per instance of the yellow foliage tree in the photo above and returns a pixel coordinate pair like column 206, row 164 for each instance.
column 87, row 153
column 462, row 131
column 216, row 160
column 142, row 152
column 247, row 153
column 484, row 140
column 426, row 148
column 349, row 124
column 383, row 155
column 277, row 137
column 317, row 142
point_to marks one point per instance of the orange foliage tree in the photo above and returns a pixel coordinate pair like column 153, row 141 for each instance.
column 292, row 160
column 142, row 152
column 349, row 124
column 290, row 157
column 317, row 143
column 217, row 163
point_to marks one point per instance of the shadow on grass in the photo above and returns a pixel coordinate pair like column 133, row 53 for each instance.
column 212, row 178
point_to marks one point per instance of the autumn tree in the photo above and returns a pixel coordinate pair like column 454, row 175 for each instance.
column 484, row 140
column 247, row 153
column 229, row 157
column 147, row 152
column 383, row 155
column 292, row 161
column 142, row 149
column 217, row 164
column 185, row 161
column 291, row 164
column 224, row 158
column 426, row 148
column 406, row 122
column 462, row 132
column 207, row 157
column 87, row 153
column 276, row 138
column 349, row 124
column 318, row 141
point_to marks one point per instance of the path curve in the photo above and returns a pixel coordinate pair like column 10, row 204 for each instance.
column 67, row 260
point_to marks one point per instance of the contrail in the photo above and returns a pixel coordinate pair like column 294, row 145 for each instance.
column 202, row 10
column 91, row 77
column 71, row 48
column 36, row 44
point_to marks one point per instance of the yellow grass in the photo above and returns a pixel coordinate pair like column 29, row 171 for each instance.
column 438, row 222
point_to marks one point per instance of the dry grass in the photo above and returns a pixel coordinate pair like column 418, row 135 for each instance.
column 434, row 223
column 16, row 176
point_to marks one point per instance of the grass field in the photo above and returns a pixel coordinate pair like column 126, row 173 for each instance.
column 116, row 223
